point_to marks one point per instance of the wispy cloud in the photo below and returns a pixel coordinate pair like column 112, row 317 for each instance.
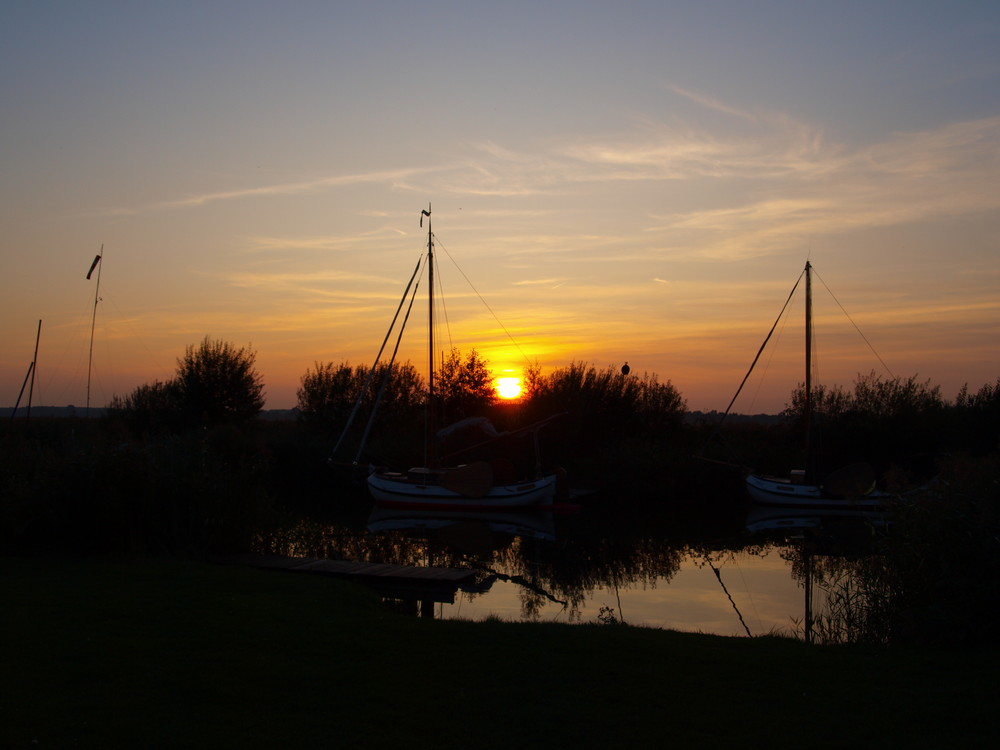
column 710, row 102
column 541, row 282
column 814, row 189
column 395, row 178
column 322, row 243
column 313, row 279
column 779, row 180
column 766, row 182
column 784, row 149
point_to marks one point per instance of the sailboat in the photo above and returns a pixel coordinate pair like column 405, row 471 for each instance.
column 852, row 487
column 477, row 485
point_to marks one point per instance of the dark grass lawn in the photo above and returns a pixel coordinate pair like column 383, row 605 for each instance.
column 185, row 655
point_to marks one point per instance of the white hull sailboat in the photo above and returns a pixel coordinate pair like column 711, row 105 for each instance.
column 423, row 489
column 852, row 487
column 478, row 485
column 796, row 492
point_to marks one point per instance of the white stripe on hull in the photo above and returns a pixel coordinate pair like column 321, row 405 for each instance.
column 404, row 493
column 773, row 491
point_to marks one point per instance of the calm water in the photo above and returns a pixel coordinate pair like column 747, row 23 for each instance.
column 591, row 567
column 761, row 585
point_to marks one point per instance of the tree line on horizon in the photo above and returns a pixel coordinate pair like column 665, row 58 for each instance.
column 217, row 382
column 609, row 422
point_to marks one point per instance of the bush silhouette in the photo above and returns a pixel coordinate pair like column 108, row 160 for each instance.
column 216, row 383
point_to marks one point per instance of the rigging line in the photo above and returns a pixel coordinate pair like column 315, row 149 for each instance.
column 746, row 588
column 385, row 377
column 717, row 429
column 486, row 305
column 718, row 575
column 444, row 306
column 856, row 328
column 770, row 359
column 761, row 350
column 371, row 373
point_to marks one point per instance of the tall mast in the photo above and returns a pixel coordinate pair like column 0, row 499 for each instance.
column 807, row 405
column 429, row 437
column 97, row 290
column 34, row 369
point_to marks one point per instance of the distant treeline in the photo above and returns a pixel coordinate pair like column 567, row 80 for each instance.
column 100, row 411
column 690, row 417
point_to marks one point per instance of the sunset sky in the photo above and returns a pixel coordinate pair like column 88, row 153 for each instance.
column 630, row 181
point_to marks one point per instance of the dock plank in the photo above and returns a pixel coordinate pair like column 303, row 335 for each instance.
column 361, row 571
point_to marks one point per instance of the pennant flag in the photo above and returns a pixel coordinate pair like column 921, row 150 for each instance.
column 97, row 259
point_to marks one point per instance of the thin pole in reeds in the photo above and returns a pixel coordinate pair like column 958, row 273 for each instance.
column 97, row 290
column 29, row 374
column 34, row 368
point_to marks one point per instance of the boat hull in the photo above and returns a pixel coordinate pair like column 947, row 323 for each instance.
column 786, row 493
column 395, row 490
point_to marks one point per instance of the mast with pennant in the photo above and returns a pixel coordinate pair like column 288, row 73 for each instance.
column 97, row 291
column 429, row 451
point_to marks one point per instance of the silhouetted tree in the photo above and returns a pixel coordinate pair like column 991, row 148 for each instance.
column 215, row 383
column 531, row 383
column 328, row 392
column 833, row 402
column 976, row 419
column 464, row 387
column 883, row 421
column 609, row 403
column 218, row 383
column 150, row 407
column 895, row 397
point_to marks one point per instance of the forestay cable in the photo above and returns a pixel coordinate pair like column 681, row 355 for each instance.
column 371, row 373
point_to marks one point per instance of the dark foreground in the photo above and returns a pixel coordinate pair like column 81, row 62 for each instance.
column 170, row 655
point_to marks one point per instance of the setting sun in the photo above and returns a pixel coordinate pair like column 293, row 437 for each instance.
column 508, row 387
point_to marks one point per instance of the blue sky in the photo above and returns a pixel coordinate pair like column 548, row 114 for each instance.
column 630, row 181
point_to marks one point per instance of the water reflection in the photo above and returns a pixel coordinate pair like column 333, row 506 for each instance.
column 825, row 550
column 762, row 519
column 474, row 533
column 757, row 577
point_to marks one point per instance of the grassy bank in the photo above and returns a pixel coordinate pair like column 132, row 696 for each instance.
column 172, row 655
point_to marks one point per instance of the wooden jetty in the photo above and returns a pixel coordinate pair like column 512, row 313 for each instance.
column 404, row 582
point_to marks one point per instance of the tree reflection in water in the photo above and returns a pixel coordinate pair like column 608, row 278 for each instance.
column 553, row 560
column 562, row 563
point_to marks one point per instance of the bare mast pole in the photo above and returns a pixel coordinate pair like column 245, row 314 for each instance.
column 90, row 361
column 34, row 369
column 27, row 377
column 429, row 452
column 807, row 404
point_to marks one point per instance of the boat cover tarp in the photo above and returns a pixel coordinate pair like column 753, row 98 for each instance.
column 850, row 481
column 480, row 423
column 472, row 480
